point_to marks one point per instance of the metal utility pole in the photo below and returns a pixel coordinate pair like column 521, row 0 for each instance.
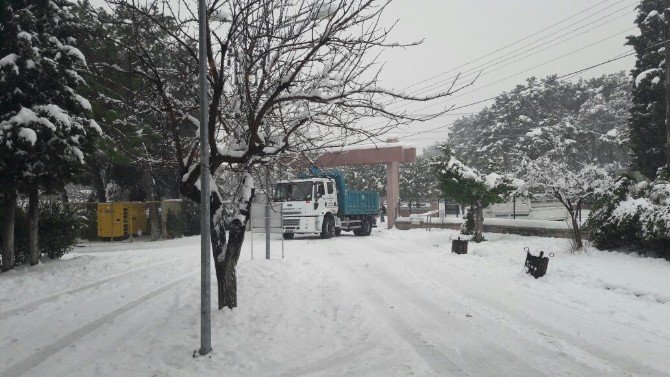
column 268, row 212
column 666, row 13
column 205, row 304
column 268, row 201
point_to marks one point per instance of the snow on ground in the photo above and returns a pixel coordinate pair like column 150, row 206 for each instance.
column 393, row 304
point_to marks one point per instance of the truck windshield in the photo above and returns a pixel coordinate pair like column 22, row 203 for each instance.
column 297, row 191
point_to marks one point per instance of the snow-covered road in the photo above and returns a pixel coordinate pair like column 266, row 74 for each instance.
column 395, row 303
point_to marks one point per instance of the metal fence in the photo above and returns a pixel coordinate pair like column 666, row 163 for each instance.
column 258, row 223
column 515, row 209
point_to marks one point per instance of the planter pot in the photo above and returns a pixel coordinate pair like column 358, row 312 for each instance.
column 536, row 266
column 459, row 246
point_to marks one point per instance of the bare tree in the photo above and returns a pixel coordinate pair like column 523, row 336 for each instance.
column 285, row 77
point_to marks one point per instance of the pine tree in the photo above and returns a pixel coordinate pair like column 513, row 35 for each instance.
column 417, row 181
column 647, row 121
column 45, row 124
column 549, row 117
column 469, row 186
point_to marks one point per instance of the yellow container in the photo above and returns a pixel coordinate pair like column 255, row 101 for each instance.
column 121, row 219
column 137, row 221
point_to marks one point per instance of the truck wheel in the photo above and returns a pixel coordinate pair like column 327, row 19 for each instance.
column 365, row 229
column 288, row 236
column 368, row 230
column 328, row 228
column 338, row 232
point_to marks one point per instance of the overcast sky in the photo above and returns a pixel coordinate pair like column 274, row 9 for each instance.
column 458, row 31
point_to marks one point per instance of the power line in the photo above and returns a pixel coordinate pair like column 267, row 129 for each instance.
column 509, row 45
column 518, row 73
column 564, row 76
column 523, row 71
column 471, row 73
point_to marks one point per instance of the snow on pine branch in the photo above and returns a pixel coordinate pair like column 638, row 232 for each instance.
column 458, row 171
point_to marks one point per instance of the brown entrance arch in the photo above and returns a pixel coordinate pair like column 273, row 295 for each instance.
column 392, row 154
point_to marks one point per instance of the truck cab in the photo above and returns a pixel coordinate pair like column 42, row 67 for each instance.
column 318, row 204
column 305, row 203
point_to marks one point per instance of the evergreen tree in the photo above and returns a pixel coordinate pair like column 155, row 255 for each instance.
column 417, row 181
column 45, row 124
column 647, row 121
column 366, row 177
column 468, row 186
column 551, row 118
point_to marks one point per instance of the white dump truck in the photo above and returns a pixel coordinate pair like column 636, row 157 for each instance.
column 318, row 202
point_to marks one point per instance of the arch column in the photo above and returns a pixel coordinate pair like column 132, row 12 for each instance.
column 392, row 192
column 391, row 154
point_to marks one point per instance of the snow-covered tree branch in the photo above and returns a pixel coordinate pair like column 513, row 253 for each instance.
column 557, row 179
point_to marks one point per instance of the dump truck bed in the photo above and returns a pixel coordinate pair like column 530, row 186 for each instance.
column 360, row 203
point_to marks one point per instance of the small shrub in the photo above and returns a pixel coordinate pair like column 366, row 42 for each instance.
column 88, row 223
column 190, row 214
column 468, row 226
column 185, row 222
column 174, row 227
column 58, row 230
column 59, row 227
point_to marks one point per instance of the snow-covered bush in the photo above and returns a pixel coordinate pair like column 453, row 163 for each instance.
column 633, row 214
column 570, row 183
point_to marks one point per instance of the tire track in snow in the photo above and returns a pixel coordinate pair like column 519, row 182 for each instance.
column 37, row 358
column 34, row 304
column 487, row 354
column 335, row 359
column 436, row 360
column 561, row 340
column 479, row 357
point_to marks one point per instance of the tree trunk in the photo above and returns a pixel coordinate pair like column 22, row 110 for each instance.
column 576, row 230
column 218, row 240
column 226, row 254
column 479, row 223
column 63, row 195
column 8, row 231
column 225, row 264
column 98, row 181
column 227, row 279
column 33, row 227
column 154, row 218
column 573, row 211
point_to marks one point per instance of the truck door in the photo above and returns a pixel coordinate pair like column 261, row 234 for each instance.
column 319, row 197
column 331, row 196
